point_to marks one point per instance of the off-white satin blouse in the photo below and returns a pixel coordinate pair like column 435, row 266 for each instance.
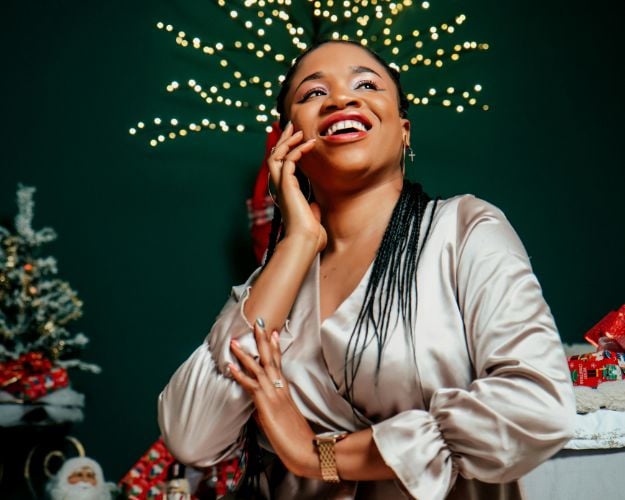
column 484, row 397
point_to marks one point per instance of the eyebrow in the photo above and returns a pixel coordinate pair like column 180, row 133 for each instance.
column 319, row 74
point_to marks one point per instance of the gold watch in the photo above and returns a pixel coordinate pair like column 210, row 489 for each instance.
column 327, row 458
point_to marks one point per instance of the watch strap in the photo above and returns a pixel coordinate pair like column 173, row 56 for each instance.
column 327, row 461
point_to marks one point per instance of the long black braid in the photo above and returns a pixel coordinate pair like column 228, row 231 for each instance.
column 393, row 279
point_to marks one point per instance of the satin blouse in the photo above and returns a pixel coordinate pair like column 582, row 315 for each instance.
column 483, row 397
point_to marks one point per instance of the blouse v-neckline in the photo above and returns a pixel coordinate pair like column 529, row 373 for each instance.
column 363, row 280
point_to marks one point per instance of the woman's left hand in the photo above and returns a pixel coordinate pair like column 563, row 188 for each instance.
column 286, row 428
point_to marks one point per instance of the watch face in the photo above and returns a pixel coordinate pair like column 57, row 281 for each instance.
column 330, row 437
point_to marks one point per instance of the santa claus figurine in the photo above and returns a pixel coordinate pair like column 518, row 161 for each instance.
column 80, row 478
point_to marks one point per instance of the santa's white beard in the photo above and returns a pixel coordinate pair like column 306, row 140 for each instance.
column 79, row 491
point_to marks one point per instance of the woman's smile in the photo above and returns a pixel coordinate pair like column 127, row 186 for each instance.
column 345, row 127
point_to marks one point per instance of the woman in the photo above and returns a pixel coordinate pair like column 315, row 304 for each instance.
column 414, row 328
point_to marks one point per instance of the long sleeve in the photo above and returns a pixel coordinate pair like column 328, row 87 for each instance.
column 202, row 411
column 519, row 408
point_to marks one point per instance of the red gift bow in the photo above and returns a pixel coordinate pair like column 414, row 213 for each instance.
column 612, row 326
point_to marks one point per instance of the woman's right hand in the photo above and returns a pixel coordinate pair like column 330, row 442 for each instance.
column 300, row 218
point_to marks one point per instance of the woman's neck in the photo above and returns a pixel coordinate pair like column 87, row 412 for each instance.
column 350, row 219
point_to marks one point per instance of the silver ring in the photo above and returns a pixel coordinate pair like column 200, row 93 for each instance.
column 278, row 384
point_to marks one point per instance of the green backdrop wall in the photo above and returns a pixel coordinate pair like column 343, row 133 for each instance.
column 153, row 239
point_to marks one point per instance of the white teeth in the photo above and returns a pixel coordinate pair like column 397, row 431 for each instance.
column 342, row 125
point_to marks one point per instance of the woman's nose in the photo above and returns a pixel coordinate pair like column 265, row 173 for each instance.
column 340, row 100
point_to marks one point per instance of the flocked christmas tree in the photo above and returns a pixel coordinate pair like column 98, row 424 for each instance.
column 35, row 306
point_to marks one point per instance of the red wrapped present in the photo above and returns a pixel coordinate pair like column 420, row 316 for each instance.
column 611, row 326
column 146, row 479
column 31, row 376
column 35, row 386
column 593, row 368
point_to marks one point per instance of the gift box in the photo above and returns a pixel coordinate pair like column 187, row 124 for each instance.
column 35, row 386
column 31, row 376
column 611, row 326
column 146, row 479
column 593, row 368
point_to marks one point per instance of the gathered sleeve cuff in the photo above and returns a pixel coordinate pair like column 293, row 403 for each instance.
column 495, row 432
column 412, row 445
column 519, row 410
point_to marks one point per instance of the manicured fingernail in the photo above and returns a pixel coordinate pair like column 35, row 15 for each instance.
column 288, row 124
column 235, row 342
column 260, row 322
column 275, row 335
column 232, row 367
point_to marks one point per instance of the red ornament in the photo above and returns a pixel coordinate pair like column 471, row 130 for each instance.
column 28, row 267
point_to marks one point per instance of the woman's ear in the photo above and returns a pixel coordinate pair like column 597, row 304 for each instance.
column 405, row 131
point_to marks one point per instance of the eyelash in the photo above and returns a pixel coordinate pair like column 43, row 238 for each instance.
column 367, row 82
column 358, row 85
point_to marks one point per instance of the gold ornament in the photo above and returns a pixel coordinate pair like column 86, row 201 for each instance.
column 48, row 327
column 57, row 349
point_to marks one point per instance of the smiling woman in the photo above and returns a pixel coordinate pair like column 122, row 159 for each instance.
column 390, row 343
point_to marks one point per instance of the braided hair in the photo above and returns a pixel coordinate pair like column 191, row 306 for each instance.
column 393, row 278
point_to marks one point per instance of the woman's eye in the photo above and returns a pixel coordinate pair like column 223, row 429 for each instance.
column 367, row 84
column 312, row 93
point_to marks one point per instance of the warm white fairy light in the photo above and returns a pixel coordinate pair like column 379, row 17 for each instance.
column 370, row 22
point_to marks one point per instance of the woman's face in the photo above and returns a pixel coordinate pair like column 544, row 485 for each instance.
column 344, row 98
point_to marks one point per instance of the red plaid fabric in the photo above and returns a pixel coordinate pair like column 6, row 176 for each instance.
column 260, row 205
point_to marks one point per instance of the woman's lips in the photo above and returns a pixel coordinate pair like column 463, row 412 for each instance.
column 345, row 137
